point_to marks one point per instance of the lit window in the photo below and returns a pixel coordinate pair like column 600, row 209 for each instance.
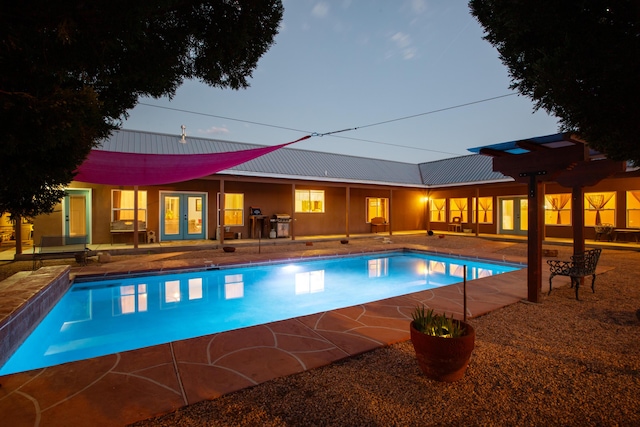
column 233, row 286
column 132, row 298
column 233, row 209
column 599, row 208
column 458, row 208
column 437, row 210
column 172, row 291
column 485, row 207
column 122, row 205
column 557, row 209
column 377, row 208
column 310, row 201
column 195, row 288
column 309, row 282
column 378, row 267
column 633, row 209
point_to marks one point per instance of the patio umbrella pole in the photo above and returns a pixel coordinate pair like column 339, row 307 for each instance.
column 259, row 239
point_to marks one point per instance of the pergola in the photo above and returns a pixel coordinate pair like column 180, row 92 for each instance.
column 562, row 158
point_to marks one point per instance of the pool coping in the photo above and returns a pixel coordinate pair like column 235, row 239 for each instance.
column 142, row 383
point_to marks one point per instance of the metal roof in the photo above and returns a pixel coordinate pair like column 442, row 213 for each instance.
column 283, row 163
column 314, row 165
column 469, row 169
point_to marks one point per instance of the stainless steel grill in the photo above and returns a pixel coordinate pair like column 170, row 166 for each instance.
column 281, row 223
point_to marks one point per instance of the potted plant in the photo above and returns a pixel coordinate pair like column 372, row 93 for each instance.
column 443, row 345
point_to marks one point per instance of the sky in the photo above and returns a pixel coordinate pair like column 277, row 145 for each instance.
column 413, row 79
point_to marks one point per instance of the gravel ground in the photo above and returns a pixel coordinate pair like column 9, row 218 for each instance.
column 559, row 363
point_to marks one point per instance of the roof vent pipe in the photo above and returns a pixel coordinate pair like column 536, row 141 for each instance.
column 184, row 134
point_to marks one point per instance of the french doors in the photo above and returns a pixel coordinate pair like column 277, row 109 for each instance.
column 514, row 215
column 182, row 216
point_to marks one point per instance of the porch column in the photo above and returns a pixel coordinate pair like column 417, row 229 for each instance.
column 221, row 212
column 577, row 219
column 390, row 210
column 347, row 209
column 293, row 211
column 135, row 217
column 477, row 212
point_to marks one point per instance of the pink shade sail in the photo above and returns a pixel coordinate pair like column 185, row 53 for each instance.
column 116, row 168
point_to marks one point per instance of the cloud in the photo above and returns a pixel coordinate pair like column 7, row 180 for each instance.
column 418, row 6
column 213, row 130
column 320, row 10
column 404, row 44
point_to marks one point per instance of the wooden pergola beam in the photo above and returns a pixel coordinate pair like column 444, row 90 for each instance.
column 563, row 158
column 531, row 146
column 494, row 153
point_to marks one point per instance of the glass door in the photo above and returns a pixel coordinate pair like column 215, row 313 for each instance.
column 514, row 216
column 76, row 215
column 182, row 216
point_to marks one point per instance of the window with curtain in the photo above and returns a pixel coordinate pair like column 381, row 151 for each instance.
column 377, row 207
column 557, row 209
column 485, row 209
column 310, row 201
column 122, row 206
column 233, row 209
column 458, row 208
column 437, row 210
column 599, row 208
column 633, row 209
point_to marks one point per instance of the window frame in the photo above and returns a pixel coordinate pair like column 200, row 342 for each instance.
column 609, row 213
column 383, row 204
column 238, row 211
column 300, row 201
column 142, row 206
column 462, row 212
column 552, row 213
column 434, row 209
column 630, row 196
column 488, row 212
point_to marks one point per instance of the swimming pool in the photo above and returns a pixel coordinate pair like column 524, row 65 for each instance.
column 109, row 316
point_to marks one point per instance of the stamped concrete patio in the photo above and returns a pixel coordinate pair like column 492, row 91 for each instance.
column 126, row 387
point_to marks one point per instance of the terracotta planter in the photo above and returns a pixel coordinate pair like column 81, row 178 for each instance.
column 443, row 359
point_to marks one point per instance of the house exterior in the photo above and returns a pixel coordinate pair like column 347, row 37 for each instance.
column 297, row 193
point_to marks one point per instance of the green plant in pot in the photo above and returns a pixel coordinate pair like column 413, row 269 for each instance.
column 443, row 345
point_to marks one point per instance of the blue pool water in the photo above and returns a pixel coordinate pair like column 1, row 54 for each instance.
column 109, row 316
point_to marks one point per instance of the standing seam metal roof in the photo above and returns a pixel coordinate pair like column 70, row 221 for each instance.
column 307, row 164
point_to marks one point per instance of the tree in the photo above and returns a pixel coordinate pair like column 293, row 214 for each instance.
column 578, row 60
column 70, row 70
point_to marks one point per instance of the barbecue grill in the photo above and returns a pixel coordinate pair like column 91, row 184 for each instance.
column 281, row 223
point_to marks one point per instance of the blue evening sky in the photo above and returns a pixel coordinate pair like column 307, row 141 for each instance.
column 340, row 64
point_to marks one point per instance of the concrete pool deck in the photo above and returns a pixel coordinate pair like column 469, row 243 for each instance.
column 130, row 386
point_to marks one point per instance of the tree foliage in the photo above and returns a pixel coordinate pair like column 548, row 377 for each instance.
column 578, row 60
column 70, row 70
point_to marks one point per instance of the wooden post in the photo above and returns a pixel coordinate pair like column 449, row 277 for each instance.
column 221, row 213
column 293, row 211
column 577, row 219
column 534, row 241
column 347, row 210
column 135, row 217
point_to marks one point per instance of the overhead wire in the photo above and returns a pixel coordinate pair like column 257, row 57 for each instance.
column 332, row 133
